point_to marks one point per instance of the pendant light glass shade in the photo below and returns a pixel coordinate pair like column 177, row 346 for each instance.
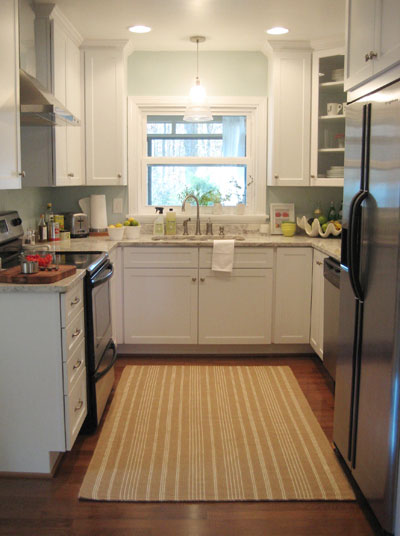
column 197, row 109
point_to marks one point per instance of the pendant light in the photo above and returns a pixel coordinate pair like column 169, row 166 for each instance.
column 197, row 109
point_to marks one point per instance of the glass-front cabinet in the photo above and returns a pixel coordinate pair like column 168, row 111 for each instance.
column 328, row 118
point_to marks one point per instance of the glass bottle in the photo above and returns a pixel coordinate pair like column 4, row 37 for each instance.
column 332, row 212
column 42, row 229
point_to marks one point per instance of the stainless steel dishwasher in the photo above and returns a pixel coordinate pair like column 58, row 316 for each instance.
column 331, row 313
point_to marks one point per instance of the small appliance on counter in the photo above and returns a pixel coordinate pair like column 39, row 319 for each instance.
column 77, row 224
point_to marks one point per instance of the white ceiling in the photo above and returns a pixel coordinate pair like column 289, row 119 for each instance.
column 227, row 24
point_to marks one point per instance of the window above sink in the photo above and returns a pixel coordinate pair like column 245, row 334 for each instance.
column 220, row 161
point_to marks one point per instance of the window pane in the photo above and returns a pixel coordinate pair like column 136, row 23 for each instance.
column 169, row 184
column 170, row 136
column 186, row 147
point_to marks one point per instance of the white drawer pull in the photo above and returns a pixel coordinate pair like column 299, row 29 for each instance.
column 77, row 364
column 75, row 301
column 79, row 405
column 76, row 332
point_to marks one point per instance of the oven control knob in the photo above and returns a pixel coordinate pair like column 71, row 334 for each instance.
column 16, row 221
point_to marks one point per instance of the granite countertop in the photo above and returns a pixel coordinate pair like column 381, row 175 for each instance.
column 329, row 246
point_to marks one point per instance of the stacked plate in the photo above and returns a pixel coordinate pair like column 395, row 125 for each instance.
column 337, row 75
column 335, row 172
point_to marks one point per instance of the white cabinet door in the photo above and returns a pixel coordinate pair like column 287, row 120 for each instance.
column 360, row 40
column 10, row 166
column 105, row 116
column 327, row 131
column 160, row 305
column 235, row 308
column 292, row 295
column 290, row 119
column 387, row 35
column 67, row 89
column 373, row 39
column 317, row 304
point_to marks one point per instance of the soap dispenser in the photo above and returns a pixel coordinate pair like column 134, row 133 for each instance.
column 158, row 227
column 170, row 222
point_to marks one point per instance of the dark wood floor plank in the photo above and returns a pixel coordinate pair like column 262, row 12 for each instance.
column 51, row 507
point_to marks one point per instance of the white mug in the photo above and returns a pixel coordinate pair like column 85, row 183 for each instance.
column 333, row 108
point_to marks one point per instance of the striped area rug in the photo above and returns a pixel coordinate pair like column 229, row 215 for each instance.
column 212, row 433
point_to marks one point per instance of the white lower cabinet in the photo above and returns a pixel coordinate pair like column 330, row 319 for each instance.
column 292, row 295
column 235, row 308
column 317, row 304
column 160, row 305
column 168, row 299
column 43, row 377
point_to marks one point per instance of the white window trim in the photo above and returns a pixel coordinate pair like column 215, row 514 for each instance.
column 256, row 110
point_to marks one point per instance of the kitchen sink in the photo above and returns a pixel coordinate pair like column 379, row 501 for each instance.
column 196, row 238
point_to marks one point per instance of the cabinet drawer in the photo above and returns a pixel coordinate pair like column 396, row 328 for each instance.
column 73, row 334
column 75, row 409
column 73, row 367
column 160, row 257
column 73, row 302
column 242, row 258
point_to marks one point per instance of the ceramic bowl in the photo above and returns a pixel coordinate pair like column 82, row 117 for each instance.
column 288, row 228
column 132, row 232
column 116, row 233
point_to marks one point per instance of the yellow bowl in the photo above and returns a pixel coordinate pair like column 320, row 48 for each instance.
column 288, row 228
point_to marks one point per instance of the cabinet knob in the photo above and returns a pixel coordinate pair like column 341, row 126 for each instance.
column 77, row 364
column 75, row 301
column 22, row 174
column 276, row 176
column 71, row 175
column 312, row 176
column 76, row 333
column 371, row 55
column 202, row 279
column 318, row 262
column 119, row 175
column 79, row 405
column 194, row 279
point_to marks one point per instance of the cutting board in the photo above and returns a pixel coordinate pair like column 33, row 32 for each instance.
column 14, row 275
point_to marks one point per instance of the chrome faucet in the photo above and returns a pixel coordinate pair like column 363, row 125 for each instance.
column 198, row 211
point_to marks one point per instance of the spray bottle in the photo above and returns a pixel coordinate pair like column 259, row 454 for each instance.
column 158, row 227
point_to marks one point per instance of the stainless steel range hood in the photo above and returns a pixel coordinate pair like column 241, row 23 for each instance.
column 39, row 107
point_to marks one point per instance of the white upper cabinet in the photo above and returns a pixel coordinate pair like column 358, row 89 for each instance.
column 373, row 39
column 67, row 89
column 10, row 170
column 105, row 114
column 58, row 68
column 289, row 117
column 327, row 118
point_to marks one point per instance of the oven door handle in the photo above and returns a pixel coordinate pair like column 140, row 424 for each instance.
column 109, row 269
column 98, row 375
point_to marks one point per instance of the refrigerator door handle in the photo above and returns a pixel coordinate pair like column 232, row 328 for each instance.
column 353, row 243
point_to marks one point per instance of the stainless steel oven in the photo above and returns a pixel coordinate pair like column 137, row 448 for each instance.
column 100, row 348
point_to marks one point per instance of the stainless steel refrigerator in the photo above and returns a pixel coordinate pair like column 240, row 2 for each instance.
column 366, row 417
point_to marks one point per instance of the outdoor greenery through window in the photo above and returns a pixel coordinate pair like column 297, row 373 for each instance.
column 206, row 159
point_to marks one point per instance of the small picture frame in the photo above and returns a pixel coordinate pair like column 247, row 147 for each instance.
column 280, row 212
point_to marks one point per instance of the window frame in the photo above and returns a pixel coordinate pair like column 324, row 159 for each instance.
column 255, row 110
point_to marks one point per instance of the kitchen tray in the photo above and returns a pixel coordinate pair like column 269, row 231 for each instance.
column 14, row 275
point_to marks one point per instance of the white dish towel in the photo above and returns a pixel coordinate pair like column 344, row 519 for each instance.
column 222, row 258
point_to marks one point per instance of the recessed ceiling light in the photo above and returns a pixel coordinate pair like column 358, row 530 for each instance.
column 139, row 29
column 277, row 30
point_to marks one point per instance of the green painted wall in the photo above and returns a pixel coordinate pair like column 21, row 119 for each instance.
column 221, row 73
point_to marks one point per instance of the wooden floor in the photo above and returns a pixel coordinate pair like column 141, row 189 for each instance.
column 50, row 507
